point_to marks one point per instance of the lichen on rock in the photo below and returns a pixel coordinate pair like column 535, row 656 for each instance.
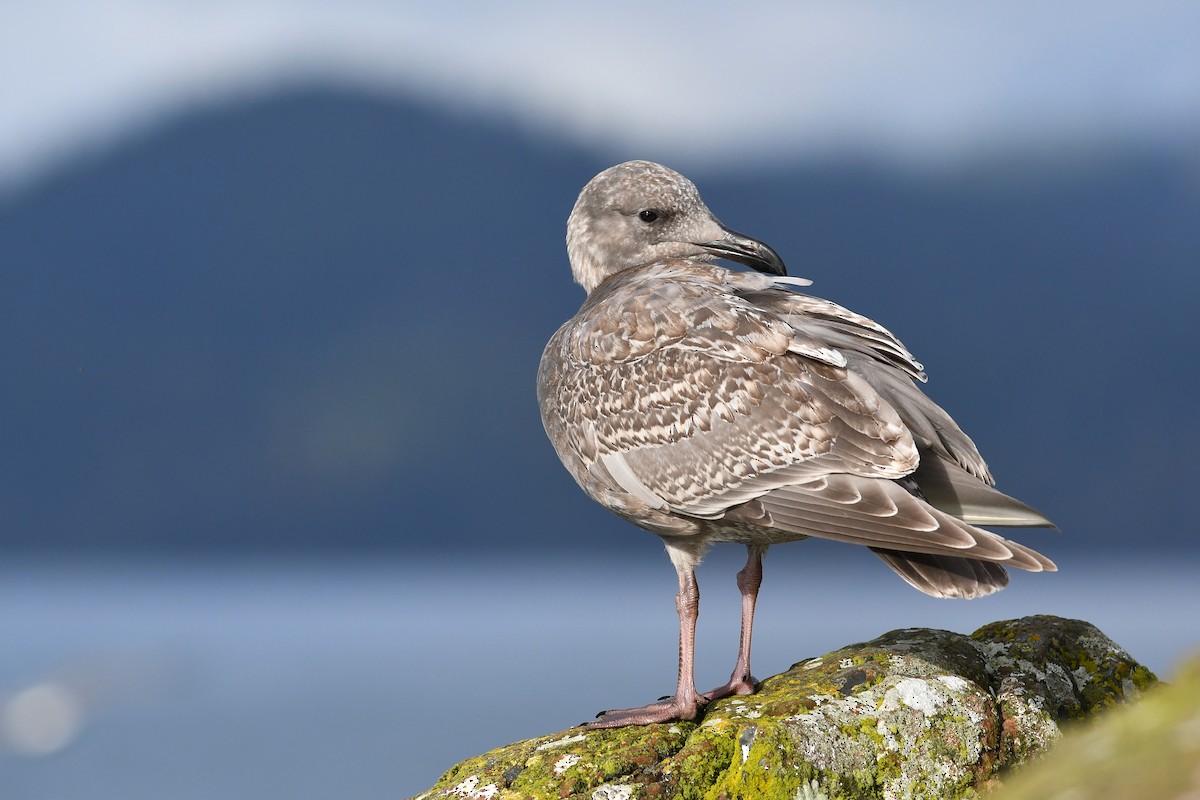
column 1148, row 751
column 1056, row 669
column 913, row 713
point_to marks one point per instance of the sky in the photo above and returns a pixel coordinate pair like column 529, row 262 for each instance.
column 922, row 82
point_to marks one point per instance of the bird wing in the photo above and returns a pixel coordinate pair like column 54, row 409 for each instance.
column 952, row 474
column 698, row 400
column 695, row 399
column 888, row 515
column 883, row 361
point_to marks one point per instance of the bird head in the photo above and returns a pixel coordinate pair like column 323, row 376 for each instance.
column 639, row 213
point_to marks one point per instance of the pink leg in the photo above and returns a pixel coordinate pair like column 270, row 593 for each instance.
column 748, row 581
column 685, row 705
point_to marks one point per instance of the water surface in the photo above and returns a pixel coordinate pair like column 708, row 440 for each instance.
column 367, row 678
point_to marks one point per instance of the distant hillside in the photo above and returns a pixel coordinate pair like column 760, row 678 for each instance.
column 313, row 321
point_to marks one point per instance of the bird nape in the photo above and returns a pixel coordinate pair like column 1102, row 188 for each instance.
column 707, row 405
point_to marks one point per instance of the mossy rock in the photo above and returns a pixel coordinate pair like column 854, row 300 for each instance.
column 1148, row 751
column 915, row 713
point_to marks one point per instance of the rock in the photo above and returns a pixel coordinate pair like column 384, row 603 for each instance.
column 1149, row 751
column 914, row 713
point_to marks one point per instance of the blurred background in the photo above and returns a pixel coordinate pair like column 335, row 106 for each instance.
column 277, row 515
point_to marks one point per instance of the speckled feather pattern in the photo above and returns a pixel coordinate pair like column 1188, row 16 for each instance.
column 707, row 404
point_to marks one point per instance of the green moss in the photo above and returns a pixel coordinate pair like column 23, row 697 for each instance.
column 1150, row 750
column 763, row 767
column 914, row 713
column 700, row 764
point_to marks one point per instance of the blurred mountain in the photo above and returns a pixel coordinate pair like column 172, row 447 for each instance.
column 312, row 321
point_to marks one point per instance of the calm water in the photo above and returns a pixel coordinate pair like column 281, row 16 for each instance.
column 320, row 679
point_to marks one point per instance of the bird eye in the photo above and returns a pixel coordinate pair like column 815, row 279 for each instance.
column 649, row 215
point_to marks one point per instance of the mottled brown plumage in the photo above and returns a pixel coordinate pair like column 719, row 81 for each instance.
column 711, row 405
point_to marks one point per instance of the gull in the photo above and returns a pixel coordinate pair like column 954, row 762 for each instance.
column 707, row 404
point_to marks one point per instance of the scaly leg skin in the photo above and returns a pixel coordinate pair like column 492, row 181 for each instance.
column 748, row 580
column 685, row 704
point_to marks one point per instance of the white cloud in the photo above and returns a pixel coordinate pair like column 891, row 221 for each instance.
column 915, row 80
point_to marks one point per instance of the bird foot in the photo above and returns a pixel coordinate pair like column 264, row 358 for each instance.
column 746, row 684
column 648, row 715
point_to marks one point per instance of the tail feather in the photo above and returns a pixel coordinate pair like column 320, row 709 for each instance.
column 946, row 576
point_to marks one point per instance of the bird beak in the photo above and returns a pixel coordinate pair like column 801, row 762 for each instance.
column 744, row 250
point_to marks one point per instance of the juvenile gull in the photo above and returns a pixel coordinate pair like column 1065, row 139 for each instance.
column 711, row 405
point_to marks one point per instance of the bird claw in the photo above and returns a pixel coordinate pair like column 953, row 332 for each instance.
column 741, row 686
column 652, row 714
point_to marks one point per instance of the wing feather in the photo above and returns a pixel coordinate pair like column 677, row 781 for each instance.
column 717, row 408
column 916, row 527
column 699, row 399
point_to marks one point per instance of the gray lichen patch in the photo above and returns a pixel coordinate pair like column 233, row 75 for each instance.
column 907, row 728
column 1150, row 750
column 1082, row 668
column 1047, row 670
column 914, row 713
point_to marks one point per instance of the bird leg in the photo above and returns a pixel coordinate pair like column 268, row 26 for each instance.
column 748, row 581
column 685, row 704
